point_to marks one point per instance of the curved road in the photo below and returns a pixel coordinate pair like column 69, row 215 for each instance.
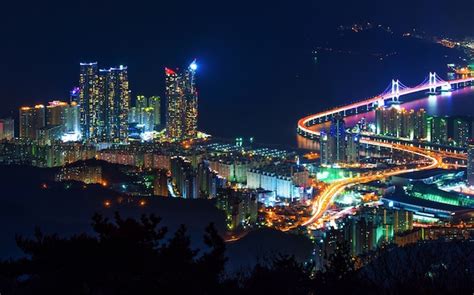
column 324, row 200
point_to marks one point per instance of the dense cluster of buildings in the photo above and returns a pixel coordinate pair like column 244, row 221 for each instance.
column 398, row 122
column 369, row 229
column 101, row 110
column 146, row 114
column 82, row 173
column 286, row 180
column 240, row 207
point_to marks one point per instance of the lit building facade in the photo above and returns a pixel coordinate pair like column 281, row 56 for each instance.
column 154, row 102
column 339, row 146
column 182, row 103
column 470, row 164
column 184, row 177
column 437, row 129
column 88, row 100
column 104, row 97
column 7, row 129
column 460, row 132
column 240, row 207
column 31, row 120
column 399, row 122
column 285, row 180
column 83, row 173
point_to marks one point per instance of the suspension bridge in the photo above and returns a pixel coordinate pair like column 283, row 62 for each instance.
column 432, row 84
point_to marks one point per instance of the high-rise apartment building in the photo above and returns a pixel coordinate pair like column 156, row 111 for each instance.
column 104, row 97
column 470, row 164
column 31, row 120
column 56, row 113
column 437, row 129
column 155, row 103
column 420, row 125
column 182, row 103
column 7, row 129
column 88, row 100
column 460, row 132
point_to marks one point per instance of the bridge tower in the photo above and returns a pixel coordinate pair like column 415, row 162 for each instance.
column 395, row 90
column 432, row 82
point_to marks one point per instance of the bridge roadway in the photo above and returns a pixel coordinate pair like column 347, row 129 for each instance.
column 434, row 158
column 311, row 120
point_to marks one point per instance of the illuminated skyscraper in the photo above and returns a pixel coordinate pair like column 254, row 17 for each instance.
column 182, row 102
column 420, row 125
column 117, row 105
column 337, row 140
column 88, row 100
column 155, row 103
column 31, row 120
column 460, row 132
column 56, row 113
column 437, row 129
column 101, row 128
column 104, row 103
column 7, row 129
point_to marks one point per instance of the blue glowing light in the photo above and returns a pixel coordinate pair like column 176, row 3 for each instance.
column 193, row 66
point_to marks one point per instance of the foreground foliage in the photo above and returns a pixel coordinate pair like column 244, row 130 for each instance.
column 130, row 256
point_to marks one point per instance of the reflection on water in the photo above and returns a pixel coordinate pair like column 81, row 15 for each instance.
column 457, row 103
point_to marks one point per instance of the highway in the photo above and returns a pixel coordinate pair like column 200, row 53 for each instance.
column 434, row 159
column 326, row 197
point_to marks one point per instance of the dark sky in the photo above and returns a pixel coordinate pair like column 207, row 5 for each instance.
column 43, row 41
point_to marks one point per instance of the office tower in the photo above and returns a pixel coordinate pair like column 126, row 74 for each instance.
column 470, row 163
column 155, row 103
column 74, row 95
column 460, row 132
column 31, row 120
column 437, row 130
column 182, row 99
column 7, row 129
column 420, row 125
column 88, row 101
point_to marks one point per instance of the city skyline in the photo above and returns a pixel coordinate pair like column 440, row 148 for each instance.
column 208, row 147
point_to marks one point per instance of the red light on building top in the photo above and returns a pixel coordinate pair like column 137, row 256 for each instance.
column 169, row 71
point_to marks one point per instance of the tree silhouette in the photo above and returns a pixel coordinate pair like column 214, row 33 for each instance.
column 124, row 257
column 128, row 256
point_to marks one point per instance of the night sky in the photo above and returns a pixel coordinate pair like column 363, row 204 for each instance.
column 239, row 44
